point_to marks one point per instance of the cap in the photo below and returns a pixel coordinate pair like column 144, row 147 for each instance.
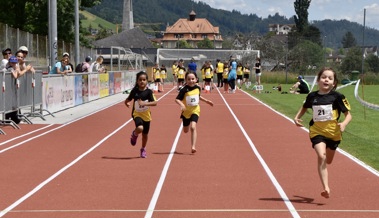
column 5, row 51
column 88, row 59
column 23, row 48
column 13, row 59
column 299, row 77
column 66, row 54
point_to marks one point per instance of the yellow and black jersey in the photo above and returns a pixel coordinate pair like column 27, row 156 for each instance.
column 181, row 72
column 174, row 69
column 240, row 70
column 208, row 72
column 190, row 96
column 138, row 110
column 327, row 109
column 157, row 73
column 220, row 67
column 225, row 74
column 163, row 73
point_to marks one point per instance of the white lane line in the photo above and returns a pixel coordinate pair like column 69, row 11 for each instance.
column 154, row 199
column 351, row 157
column 52, row 130
column 26, row 134
column 280, row 190
column 41, row 185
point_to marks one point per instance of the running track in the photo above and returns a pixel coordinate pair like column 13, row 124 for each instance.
column 251, row 162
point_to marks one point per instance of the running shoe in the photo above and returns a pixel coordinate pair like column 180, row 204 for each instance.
column 133, row 139
column 143, row 153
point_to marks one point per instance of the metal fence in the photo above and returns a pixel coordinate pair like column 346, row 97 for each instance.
column 38, row 47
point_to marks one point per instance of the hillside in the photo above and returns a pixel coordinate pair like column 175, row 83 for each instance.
column 166, row 12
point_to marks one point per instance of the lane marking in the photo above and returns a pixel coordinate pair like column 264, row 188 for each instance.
column 341, row 151
column 26, row 134
column 154, row 199
column 195, row 210
column 280, row 190
column 59, row 172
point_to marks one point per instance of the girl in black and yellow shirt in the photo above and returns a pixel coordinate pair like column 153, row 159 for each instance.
column 325, row 131
column 143, row 98
column 188, row 99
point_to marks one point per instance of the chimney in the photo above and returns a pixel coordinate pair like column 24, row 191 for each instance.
column 127, row 18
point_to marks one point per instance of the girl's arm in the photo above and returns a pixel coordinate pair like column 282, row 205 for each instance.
column 180, row 103
column 298, row 121
column 127, row 102
column 206, row 101
column 346, row 121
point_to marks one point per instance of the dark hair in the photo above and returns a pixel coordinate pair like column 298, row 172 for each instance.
column 190, row 72
column 139, row 74
column 334, row 74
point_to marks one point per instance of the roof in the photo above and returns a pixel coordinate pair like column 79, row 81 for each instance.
column 199, row 25
column 133, row 38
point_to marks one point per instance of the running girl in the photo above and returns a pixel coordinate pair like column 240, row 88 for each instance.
column 188, row 99
column 143, row 100
column 325, row 131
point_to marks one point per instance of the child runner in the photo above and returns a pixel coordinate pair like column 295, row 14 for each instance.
column 225, row 77
column 143, row 100
column 325, row 131
column 188, row 99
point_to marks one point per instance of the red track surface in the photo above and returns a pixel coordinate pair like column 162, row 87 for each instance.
column 251, row 162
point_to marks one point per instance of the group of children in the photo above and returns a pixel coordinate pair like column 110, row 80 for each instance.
column 325, row 130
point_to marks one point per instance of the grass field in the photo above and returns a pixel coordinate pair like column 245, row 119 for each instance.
column 360, row 139
column 95, row 21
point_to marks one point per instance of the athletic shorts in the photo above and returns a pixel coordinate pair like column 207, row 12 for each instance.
column 157, row 80
column 239, row 77
column 180, row 80
column 332, row 145
column 225, row 80
column 246, row 76
column 186, row 122
column 138, row 121
column 208, row 80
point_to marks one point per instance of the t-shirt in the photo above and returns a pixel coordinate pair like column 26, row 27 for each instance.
column 57, row 65
column 326, row 112
column 141, row 111
column 190, row 96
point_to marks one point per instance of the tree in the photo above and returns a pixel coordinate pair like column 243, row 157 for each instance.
column 373, row 63
column 352, row 61
column 301, row 9
column 306, row 56
column 205, row 43
column 348, row 40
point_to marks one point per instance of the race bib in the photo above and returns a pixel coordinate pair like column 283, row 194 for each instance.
column 322, row 112
column 207, row 73
column 192, row 100
column 140, row 108
column 181, row 71
column 163, row 72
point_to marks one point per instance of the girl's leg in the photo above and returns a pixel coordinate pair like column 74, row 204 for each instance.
column 321, row 152
column 193, row 136
column 144, row 139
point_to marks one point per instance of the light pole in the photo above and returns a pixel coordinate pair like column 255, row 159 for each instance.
column 287, row 60
column 324, row 50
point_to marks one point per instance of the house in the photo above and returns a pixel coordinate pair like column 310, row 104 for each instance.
column 192, row 30
column 282, row 29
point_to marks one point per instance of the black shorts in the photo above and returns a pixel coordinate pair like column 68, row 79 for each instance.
column 157, row 80
column 138, row 121
column 225, row 80
column 208, row 80
column 246, row 76
column 239, row 77
column 186, row 122
column 332, row 145
column 180, row 80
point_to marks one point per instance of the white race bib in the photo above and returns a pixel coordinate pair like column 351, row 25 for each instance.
column 140, row 108
column 163, row 72
column 181, row 71
column 192, row 100
column 322, row 112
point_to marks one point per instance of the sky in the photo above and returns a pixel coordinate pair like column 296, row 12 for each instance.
column 351, row 10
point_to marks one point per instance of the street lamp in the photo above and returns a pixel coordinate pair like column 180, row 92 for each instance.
column 287, row 60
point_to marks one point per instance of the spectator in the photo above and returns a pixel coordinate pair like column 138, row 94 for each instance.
column 97, row 66
column 22, row 67
column 300, row 87
column 14, row 69
column 86, row 64
column 60, row 67
column 7, row 53
column 25, row 52
column 66, row 54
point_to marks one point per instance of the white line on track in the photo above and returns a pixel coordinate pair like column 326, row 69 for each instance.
column 280, row 190
column 52, row 177
column 351, row 157
column 26, row 134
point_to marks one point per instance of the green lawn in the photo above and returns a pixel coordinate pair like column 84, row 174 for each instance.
column 94, row 21
column 360, row 139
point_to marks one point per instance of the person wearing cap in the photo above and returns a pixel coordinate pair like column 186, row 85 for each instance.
column 14, row 69
column 66, row 54
column 7, row 53
column 24, row 50
column 61, row 67
column 23, row 68
column 300, row 87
